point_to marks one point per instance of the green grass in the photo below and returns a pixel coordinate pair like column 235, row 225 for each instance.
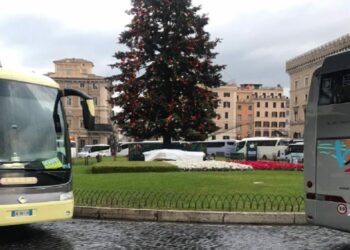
column 253, row 190
column 266, row 182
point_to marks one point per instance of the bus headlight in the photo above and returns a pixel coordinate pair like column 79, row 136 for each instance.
column 66, row 196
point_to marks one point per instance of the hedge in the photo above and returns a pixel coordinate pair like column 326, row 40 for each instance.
column 128, row 167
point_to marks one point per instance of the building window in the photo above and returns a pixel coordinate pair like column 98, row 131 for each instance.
column 94, row 141
column 94, row 85
column 279, row 95
column 226, row 104
column 274, row 105
column 239, row 107
column 258, row 104
column 296, row 84
column 239, row 118
column 295, row 115
column 258, row 124
column 274, row 124
column 226, row 115
column 257, row 133
column 250, row 117
column 306, row 98
column 95, row 101
column 247, row 97
column 272, row 95
column 296, row 100
column 266, row 114
column 282, row 104
column 306, row 81
column 266, row 124
column 81, row 123
column 257, row 114
column 225, row 137
column 266, row 133
column 226, row 126
column 238, row 128
column 250, row 107
column 266, row 104
column 82, row 84
column 69, row 123
column 213, row 137
column 226, row 94
column 274, row 134
column 69, row 101
column 274, row 114
column 282, row 124
column 264, row 95
column 282, row 114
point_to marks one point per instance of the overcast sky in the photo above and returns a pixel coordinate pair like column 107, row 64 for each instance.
column 258, row 36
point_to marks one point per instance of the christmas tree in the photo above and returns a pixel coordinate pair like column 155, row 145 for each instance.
column 166, row 74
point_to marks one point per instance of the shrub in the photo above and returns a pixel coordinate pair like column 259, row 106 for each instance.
column 127, row 167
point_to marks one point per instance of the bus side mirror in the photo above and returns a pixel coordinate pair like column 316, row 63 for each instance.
column 87, row 105
column 88, row 113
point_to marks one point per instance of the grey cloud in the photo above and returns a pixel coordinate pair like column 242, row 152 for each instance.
column 42, row 40
column 254, row 48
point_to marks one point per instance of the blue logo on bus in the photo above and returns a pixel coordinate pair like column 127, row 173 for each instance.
column 340, row 150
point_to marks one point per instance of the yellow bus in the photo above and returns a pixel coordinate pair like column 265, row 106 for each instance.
column 35, row 170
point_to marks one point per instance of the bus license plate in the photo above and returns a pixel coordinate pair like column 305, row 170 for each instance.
column 22, row 213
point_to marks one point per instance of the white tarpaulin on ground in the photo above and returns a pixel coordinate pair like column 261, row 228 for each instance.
column 173, row 155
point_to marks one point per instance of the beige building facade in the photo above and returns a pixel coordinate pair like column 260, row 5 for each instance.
column 77, row 74
column 227, row 112
column 271, row 117
column 300, row 70
column 251, row 110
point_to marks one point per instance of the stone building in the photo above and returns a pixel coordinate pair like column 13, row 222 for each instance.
column 227, row 111
column 271, row 111
column 77, row 74
column 251, row 110
column 245, row 111
column 300, row 70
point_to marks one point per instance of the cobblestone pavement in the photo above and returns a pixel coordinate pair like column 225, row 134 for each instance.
column 93, row 234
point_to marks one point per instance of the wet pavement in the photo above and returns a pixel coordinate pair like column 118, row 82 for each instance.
column 93, row 234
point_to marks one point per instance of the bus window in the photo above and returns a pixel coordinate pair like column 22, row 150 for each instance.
column 335, row 88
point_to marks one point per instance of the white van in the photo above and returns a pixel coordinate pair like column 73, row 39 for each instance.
column 94, row 150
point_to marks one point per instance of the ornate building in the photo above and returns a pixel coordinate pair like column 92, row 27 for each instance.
column 300, row 70
column 77, row 74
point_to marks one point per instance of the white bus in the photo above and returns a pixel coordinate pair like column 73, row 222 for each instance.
column 295, row 153
column 35, row 162
column 327, row 140
column 267, row 148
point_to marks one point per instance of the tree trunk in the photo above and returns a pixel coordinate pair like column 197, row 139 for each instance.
column 166, row 141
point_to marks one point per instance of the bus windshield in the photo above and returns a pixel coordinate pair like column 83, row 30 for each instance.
column 32, row 126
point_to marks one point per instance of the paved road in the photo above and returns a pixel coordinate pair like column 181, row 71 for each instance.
column 91, row 234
